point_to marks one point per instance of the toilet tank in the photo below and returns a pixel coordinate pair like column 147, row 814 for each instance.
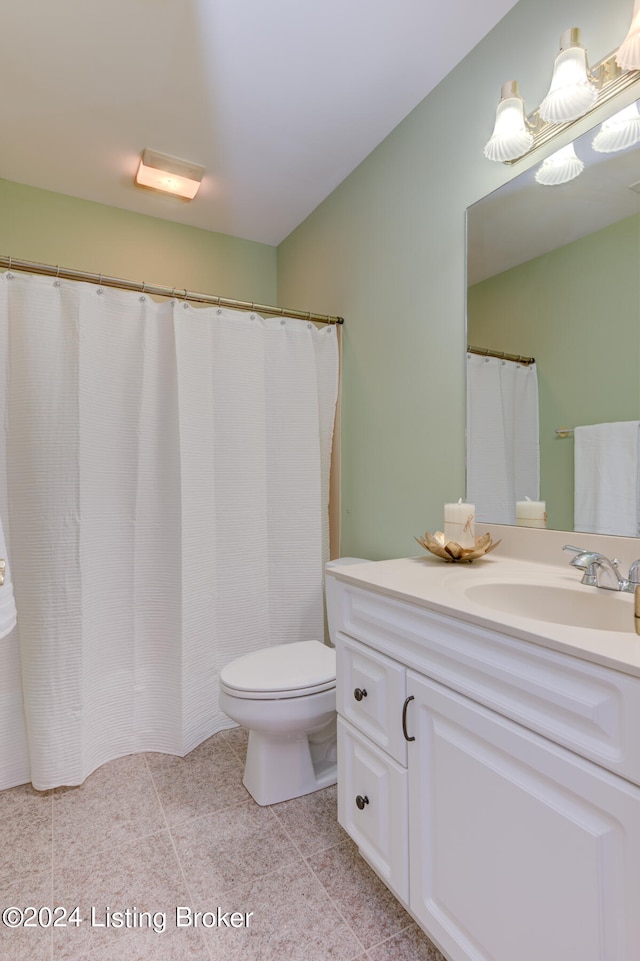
column 330, row 590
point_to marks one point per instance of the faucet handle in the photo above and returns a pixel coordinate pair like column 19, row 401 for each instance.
column 634, row 573
column 584, row 560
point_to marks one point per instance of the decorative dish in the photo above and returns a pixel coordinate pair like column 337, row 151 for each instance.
column 454, row 552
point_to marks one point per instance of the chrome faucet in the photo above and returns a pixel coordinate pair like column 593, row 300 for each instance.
column 599, row 571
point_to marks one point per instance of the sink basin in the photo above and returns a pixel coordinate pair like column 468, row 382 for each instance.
column 573, row 605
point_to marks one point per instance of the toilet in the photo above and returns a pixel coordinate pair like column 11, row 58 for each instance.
column 286, row 696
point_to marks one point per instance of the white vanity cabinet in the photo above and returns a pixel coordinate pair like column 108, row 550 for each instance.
column 491, row 783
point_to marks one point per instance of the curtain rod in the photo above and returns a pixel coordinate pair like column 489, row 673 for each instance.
column 67, row 274
column 485, row 352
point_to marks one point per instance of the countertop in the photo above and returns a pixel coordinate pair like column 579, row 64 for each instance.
column 442, row 587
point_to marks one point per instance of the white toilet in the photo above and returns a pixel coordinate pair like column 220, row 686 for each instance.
column 286, row 696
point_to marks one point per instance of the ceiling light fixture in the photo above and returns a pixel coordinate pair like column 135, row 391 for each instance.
column 170, row 175
column 618, row 132
column 575, row 91
column 628, row 56
column 560, row 167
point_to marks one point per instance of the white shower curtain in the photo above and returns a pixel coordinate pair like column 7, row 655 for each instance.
column 503, row 437
column 166, row 511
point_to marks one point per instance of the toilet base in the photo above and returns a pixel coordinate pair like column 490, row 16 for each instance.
column 281, row 767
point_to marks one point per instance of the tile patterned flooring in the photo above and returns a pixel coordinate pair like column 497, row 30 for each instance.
column 150, row 832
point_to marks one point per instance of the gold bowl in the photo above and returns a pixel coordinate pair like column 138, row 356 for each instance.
column 452, row 551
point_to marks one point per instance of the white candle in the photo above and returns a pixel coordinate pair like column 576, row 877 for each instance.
column 460, row 524
column 531, row 513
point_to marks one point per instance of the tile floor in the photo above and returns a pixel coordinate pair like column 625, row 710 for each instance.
column 149, row 833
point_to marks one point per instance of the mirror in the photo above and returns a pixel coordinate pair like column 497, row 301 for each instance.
column 554, row 273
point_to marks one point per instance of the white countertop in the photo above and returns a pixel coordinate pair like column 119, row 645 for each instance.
column 433, row 583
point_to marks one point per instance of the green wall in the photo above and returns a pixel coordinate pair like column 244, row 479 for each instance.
column 387, row 251
column 576, row 310
column 52, row 228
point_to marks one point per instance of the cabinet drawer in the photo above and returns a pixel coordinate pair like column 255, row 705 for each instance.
column 373, row 807
column 589, row 708
column 370, row 693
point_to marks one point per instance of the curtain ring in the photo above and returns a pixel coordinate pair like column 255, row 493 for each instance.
column 144, row 284
column 57, row 271
column 185, row 294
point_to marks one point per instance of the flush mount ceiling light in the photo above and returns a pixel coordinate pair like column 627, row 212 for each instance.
column 170, row 175
column 560, row 167
column 510, row 137
column 575, row 92
column 628, row 56
column 572, row 92
column 618, row 132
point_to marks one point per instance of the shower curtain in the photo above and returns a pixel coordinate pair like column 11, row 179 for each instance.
column 503, row 437
column 165, row 508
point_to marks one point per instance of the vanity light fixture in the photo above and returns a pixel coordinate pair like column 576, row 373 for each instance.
column 628, row 56
column 618, row 132
column 575, row 92
column 560, row 167
column 572, row 92
column 169, row 175
column 510, row 137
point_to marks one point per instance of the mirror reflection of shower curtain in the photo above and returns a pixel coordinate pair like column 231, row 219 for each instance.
column 167, row 474
column 503, row 437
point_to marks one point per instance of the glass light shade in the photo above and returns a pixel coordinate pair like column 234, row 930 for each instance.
column 560, row 167
column 169, row 175
column 628, row 55
column 571, row 93
column 618, row 132
column 510, row 138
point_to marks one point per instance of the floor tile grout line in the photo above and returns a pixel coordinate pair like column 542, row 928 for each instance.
column 410, row 921
column 336, row 906
column 380, row 944
column 308, row 854
column 203, row 940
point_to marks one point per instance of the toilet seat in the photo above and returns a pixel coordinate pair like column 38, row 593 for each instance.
column 284, row 671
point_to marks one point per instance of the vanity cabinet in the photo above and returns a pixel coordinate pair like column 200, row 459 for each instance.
column 491, row 783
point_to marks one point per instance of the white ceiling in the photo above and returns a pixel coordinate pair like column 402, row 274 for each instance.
column 279, row 99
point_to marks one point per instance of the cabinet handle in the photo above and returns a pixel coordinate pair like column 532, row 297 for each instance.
column 359, row 693
column 404, row 718
column 361, row 802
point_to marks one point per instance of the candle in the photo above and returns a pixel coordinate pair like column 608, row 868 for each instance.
column 460, row 524
column 531, row 513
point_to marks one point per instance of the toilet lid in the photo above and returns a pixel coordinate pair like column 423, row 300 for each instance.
column 286, row 670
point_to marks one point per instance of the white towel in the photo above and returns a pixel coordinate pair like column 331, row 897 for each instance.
column 7, row 603
column 606, row 478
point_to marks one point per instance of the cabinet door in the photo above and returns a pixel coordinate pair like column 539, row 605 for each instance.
column 519, row 848
column 372, row 806
column 370, row 693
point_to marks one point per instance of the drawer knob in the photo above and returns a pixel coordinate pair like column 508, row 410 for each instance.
column 361, row 802
column 359, row 693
